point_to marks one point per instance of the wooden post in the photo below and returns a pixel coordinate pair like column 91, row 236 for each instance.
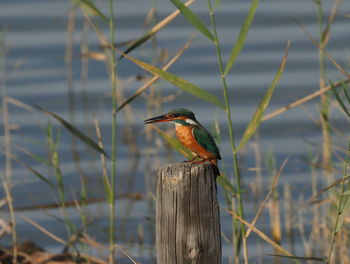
column 188, row 217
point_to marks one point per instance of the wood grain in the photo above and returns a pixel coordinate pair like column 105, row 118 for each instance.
column 188, row 217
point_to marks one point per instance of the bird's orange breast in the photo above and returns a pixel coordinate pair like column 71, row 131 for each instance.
column 185, row 136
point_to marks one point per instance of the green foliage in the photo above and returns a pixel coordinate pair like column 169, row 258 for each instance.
column 37, row 174
column 89, row 7
column 138, row 43
column 256, row 119
column 179, row 82
column 236, row 50
column 193, row 19
column 338, row 98
column 344, row 201
column 76, row 132
column 151, row 33
column 226, row 184
column 345, row 89
column 53, row 142
column 216, row 4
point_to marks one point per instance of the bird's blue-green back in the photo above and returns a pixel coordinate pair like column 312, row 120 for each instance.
column 204, row 138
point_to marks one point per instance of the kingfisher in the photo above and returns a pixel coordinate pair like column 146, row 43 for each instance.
column 191, row 134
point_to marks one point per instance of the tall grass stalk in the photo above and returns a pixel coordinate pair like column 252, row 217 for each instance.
column 340, row 209
column 111, row 194
column 53, row 142
column 71, row 23
column 154, row 104
column 7, row 177
column 274, row 208
column 232, row 139
column 9, row 200
column 324, row 115
column 5, row 112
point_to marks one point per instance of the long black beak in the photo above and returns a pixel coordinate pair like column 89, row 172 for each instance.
column 156, row 119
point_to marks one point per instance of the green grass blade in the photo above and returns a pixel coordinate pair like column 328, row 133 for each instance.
column 89, row 7
column 84, row 138
column 340, row 223
column 236, row 50
column 154, row 30
column 256, row 119
column 193, row 19
column 174, row 143
column 179, row 82
column 155, row 78
column 340, row 101
column 216, row 4
column 345, row 204
column 32, row 155
column 36, row 173
column 138, row 42
column 226, row 184
column 345, row 89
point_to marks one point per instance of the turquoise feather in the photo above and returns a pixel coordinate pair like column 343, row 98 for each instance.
column 204, row 138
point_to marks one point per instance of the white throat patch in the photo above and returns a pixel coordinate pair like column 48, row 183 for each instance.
column 190, row 121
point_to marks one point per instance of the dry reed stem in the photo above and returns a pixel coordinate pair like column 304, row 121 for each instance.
column 4, row 227
column 301, row 101
column 93, row 259
column 319, row 92
column 103, row 158
column 153, row 30
column 88, row 240
column 258, row 165
column 68, row 58
column 340, row 209
column 20, row 254
column 275, row 222
column 7, row 177
column 51, row 258
column 300, row 214
column 21, row 104
column 7, row 140
column 335, row 63
column 42, row 229
column 99, row 56
column 169, row 18
column 8, row 194
column 272, row 188
column 156, row 77
column 260, row 234
column 326, row 32
column 313, row 198
column 288, row 216
column 126, row 254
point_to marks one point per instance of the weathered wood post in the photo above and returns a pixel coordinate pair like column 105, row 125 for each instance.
column 188, row 217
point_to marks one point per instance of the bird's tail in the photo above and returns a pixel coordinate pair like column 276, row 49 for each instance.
column 215, row 166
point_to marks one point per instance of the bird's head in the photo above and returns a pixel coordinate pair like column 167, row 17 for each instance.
column 179, row 116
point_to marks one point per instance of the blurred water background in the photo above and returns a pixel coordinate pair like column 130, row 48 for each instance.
column 36, row 73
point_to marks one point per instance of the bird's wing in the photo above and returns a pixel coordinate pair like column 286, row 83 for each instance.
column 204, row 138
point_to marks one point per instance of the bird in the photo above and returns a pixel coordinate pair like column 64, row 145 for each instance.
column 191, row 134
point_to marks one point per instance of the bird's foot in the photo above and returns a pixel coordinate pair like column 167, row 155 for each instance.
column 201, row 161
column 191, row 160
